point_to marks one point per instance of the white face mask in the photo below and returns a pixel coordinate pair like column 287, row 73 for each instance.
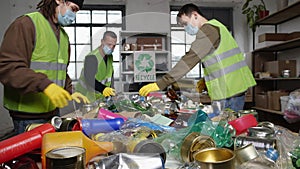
column 190, row 29
column 67, row 19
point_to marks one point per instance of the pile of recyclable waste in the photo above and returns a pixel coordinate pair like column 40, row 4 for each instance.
column 162, row 130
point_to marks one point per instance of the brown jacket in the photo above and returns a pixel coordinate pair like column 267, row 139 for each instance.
column 207, row 40
column 15, row 55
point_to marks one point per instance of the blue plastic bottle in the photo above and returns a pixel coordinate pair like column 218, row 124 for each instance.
column 95, row 126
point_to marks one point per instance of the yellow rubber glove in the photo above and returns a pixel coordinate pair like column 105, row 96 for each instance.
column 109, row 92
column 145, row 90
column 58, row 96
column 201, row 85
column 78, row 97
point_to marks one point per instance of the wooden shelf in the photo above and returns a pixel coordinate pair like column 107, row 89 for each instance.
column 268, row 110
column 290, row 44
column 286, row 14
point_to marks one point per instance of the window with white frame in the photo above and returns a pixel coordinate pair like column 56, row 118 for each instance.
column 86, row 33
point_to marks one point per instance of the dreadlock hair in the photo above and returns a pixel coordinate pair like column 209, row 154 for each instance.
column 187, row 10
column 47, row 7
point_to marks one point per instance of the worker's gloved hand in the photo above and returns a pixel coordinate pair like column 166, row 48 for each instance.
column 58, row 96
column 78, row 97
column 201, row 85
column 108, row 92
column 145, row 90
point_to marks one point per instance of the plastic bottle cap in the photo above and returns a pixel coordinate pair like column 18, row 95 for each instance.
column 272, row 154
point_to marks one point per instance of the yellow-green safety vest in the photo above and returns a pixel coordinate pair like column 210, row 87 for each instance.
column 225, row 71
column 104, row 75
column 49, row 57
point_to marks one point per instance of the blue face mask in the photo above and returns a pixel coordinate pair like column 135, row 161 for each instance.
column 67, row 19
column 107, row 50
column 191, row 30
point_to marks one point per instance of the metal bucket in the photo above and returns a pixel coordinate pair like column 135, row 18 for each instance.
column 66, row 158
column 215, row 158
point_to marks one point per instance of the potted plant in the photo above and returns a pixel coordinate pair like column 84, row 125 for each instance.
column 254, row 12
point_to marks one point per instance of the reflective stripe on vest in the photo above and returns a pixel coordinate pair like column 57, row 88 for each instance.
column 50, row 66
column 221, row 56
column 222, row 72
column 107, row 80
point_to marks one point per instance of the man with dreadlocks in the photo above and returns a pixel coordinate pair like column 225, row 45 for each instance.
column 34, row 57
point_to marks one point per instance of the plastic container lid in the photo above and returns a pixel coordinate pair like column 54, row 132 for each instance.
column 243, row 123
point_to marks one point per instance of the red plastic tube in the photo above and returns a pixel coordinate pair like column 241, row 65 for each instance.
column 23, row 143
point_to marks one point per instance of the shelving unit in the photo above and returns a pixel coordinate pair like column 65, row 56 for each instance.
column 134, row 42
column 270, row 53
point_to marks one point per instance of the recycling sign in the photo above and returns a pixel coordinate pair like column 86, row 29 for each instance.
column 144, row 66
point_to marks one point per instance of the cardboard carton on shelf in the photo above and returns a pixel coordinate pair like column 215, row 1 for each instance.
column 149, row 43
column 261, row 100
column 272, row 37
column 274, row 99
column 276, row 67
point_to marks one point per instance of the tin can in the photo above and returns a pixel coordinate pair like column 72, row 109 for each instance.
column 261, row 132
column 258, row 143
column 32, row 126
column 193, row 143
column 66, row 158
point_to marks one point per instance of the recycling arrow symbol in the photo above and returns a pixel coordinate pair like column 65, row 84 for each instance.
column 144, row 63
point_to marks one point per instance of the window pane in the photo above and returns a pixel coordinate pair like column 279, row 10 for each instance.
column 83, row 16
column 82, row 51
column 187, row 47
column 189, row 38
column 70, row 32
column 173, row 17
column 194, row 72
column 71, row 71
column 177, row 52
column 83, row 35
column 72, row 56
column 177, row 37
column 114, row 16
column 79, row 67
column 99, row 16
column 116, row 70
column 116, row 53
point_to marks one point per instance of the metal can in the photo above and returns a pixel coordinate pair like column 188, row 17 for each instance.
column 193, row 143
column 258, row 143
column 66, row 158
column 32, row 126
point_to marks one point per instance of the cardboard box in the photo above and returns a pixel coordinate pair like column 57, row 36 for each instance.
column 150, row 43
column 293, row 35
column 272, row 37
column 261, row 100
column 276, row 67
column 274, row 99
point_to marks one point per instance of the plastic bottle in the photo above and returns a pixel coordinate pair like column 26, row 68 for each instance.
column 95, row 126
column 264, row 161
column 23, row 143
column 74, row 138
column 106, row 114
